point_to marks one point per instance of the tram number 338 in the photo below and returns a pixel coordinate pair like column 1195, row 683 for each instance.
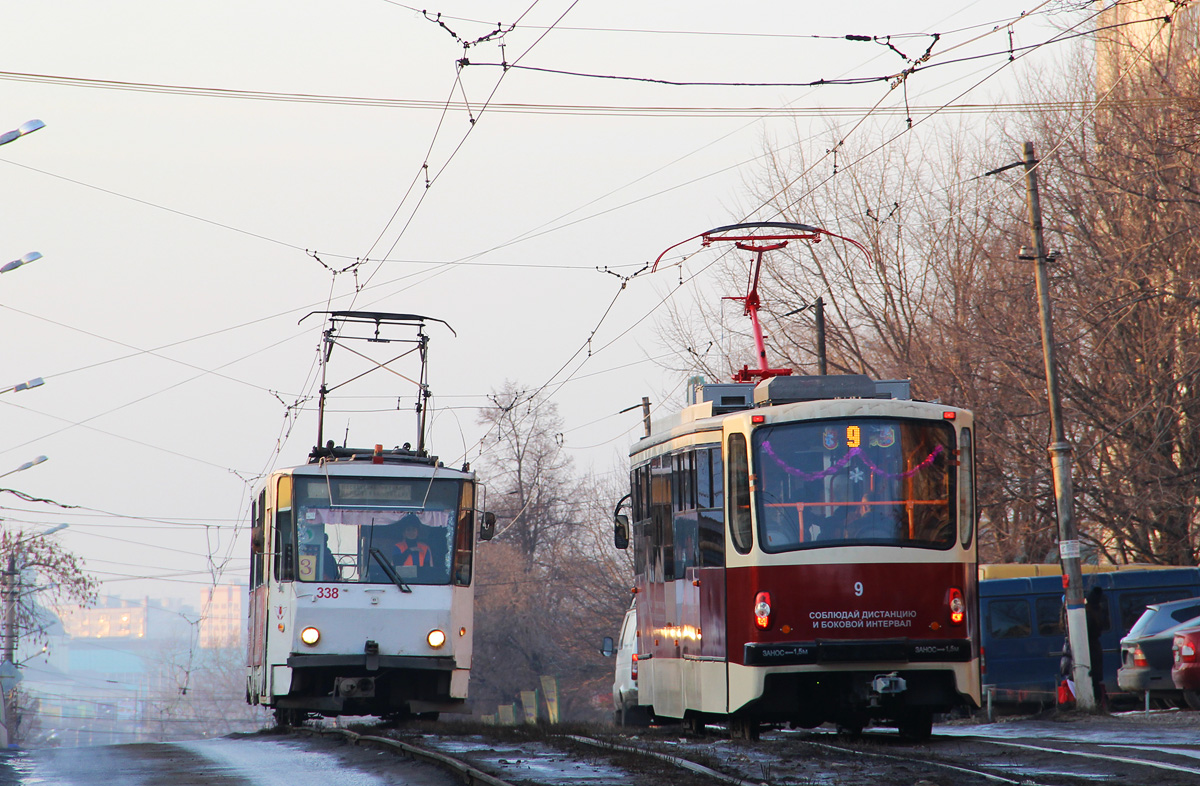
column 327, row 592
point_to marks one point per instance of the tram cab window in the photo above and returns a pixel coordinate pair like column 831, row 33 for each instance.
column 740, row 521
column 421, row 527
column 869, row 481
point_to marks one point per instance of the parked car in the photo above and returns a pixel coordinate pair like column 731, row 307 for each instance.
column 1146, row 657
column 626, row 710
column 1185, row 671
column 1022, row 633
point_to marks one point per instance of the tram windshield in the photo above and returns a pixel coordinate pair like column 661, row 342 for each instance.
column 868, row 481
column 409, row 523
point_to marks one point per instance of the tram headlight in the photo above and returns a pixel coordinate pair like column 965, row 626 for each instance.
column 958, row 607
column 436, row 638
column 310, row 636
column 762, row 610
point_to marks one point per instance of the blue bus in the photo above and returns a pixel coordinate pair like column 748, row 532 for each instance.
column 1022, row 629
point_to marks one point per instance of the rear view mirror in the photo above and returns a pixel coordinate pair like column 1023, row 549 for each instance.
column 621, row 531
column 488, row 528
column 607, row 648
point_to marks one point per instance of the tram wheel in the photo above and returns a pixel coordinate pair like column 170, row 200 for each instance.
column 286, row 716
column 1192, row 698
column 744, row 728
column 694, row 725
column 916, row 725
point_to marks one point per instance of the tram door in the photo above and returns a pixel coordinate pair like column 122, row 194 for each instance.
column 256, row 633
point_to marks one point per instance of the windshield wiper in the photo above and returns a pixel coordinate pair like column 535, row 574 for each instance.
column 389, row 570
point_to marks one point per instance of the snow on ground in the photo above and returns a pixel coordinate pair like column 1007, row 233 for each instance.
column 271, row 763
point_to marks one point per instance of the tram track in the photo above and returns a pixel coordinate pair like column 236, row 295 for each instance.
column 541, row 757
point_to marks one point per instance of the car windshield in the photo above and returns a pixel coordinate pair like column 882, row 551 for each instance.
column 855, row 481
column 409, row 524
column 1155, row 621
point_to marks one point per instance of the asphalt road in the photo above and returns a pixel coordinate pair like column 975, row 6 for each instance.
column 219, row 762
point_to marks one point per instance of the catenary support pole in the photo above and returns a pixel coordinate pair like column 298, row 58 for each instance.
column 1060, row 458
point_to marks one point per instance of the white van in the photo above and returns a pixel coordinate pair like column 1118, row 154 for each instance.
column 626, row 710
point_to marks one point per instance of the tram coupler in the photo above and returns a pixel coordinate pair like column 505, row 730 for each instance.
column 354, row 687
column 888, row 684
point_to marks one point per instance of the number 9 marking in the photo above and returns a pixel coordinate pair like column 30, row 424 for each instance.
column 853, row 436
column 858, row 588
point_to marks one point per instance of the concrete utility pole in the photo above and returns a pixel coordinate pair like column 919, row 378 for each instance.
column 1060, row 458
column 7, row 715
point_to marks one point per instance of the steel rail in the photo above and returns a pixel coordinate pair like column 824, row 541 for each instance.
column 691, row 766
column 470, row 775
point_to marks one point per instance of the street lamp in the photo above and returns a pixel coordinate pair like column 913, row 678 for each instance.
column 32, row 256
column 36, row 382
column 24, row 467
column 28, row 127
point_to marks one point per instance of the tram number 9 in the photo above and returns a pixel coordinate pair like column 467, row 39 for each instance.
column 853, row 436
column 327, row 592
column 858, row 588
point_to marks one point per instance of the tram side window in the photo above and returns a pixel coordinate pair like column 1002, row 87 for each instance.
column 685, row 482
column 283, row 546
column 740, row 523
column 966, row 487
column 256, row 540
column 718, row 480
column 662, row 552
column 1009, row 619
column 704, row 479
column 284, row 538
column 463, row 536
column 687, row 550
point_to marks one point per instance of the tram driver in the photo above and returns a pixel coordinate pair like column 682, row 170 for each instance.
column 412, row 552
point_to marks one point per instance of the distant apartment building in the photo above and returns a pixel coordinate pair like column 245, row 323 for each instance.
column 221, row 616
column 1134, row 39
column 116, row 619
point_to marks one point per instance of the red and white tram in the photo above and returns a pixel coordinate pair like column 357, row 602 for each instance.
column 806, row 555
column 805, row 552
column 361, row 596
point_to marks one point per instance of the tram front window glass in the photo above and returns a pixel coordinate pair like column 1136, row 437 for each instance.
column 855, row 481
column 409, row 523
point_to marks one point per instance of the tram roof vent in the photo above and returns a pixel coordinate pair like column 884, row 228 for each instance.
column 404, row 455
column 790, row 389
column 726, row 397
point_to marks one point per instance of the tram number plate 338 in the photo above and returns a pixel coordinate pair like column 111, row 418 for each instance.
column 327, row 592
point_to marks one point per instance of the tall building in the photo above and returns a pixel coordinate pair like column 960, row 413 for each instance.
column 1134, row 38
column 222, row 617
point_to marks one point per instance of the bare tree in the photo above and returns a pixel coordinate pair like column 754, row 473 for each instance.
column 528, row 471
column 550, row 585
column 43, row 574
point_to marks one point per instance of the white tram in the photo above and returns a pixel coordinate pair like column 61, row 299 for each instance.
column 361, row 596
column 805, row 552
